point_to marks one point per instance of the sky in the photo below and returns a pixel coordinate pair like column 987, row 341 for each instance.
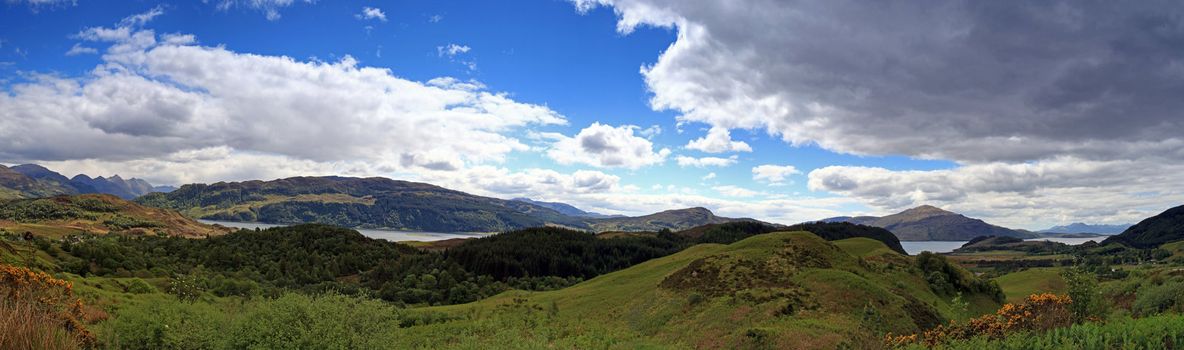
column 1025, row 115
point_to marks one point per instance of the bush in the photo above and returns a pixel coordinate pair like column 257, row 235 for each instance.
column 39, row 310
column 1153, row 299
column 138, row 286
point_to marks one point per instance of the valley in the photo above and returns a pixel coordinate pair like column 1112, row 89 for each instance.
column 681, row 278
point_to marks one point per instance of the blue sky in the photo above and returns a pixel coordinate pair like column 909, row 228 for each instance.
column 590, row 69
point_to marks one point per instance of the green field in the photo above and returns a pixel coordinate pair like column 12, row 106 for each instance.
column 1021, row 284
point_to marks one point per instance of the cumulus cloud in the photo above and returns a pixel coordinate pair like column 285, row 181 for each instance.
column 151, row 99
column 1032, row 195
column 709, row 176
column 964, row 80
column 718, row 140
column 371, row 13
column 606, row 146
column 686, row 161
column 773, row 174
column 977, row 83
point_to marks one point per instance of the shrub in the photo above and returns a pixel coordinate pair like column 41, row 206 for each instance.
column 1154, row 299
column 39, row 311
column 1039, row 312
column 138, row 286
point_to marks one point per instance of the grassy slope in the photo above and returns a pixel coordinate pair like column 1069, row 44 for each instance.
column 1018, row 285
column 628, row 308
column 90, row 213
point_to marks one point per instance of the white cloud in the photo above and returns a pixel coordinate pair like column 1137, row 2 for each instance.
column 959, row 82
column 78, row 49
column 773, row 174
column 602, row 145
column 718, row 140
column 435, row 18
column 1030, row 195
column 270, row 8
column 650, row 132
column 451, row 50
column 371, row 13
column 709, row 176
column 735, row 191
column 685, row 161
column 150, row 100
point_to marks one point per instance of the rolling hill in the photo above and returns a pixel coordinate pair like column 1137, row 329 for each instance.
column 392, row 204
column 96, row 214
column 789, row 290
column 357, row 202
column 675, row 220
column 1154, row 231
column 929, row 223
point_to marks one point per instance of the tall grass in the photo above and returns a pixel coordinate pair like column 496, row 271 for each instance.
column 25, row 326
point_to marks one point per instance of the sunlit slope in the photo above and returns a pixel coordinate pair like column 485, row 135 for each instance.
column 784, row 289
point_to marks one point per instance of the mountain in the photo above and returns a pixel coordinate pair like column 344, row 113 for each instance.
column 357, row 202
column 678, row 219
column 14, row 184
column 1079, row 227
column 96, row 214
column 929, row 223
column 1154, row 231
column 80, row 184
column 164, row 188
column 564, row 208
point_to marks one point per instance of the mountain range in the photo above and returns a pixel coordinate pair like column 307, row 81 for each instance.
column 392, row 204
column 929, row 223
column 1079, row 227
column 33, row 181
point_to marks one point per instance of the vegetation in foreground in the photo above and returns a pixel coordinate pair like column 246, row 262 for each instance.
column 316, row 286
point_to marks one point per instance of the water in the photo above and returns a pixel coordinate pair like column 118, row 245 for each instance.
column 390, row 235
column 915, row 247
column 1069, row 241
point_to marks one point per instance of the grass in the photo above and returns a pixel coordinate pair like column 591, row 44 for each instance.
column 629, row 309
column 1018, row 285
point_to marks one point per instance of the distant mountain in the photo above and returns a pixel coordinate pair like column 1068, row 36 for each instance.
column 53, row 183
column 679, row 219
column 96, row 214
column 1078, row 227
column 164, row 188
column 357, row 202
column 14, row 184
column 929, row 223
column 565, row 209
column 1154, row 231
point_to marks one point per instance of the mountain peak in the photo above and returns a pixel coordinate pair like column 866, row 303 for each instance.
column 927, row 210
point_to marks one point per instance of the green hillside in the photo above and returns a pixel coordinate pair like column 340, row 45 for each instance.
column 1154, row 231
column 96, row 214
column 778, row 290
column 680, row 219
column 356, row 202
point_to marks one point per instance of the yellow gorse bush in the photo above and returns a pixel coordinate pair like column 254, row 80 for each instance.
column 53, row 298
column 1038, row 312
